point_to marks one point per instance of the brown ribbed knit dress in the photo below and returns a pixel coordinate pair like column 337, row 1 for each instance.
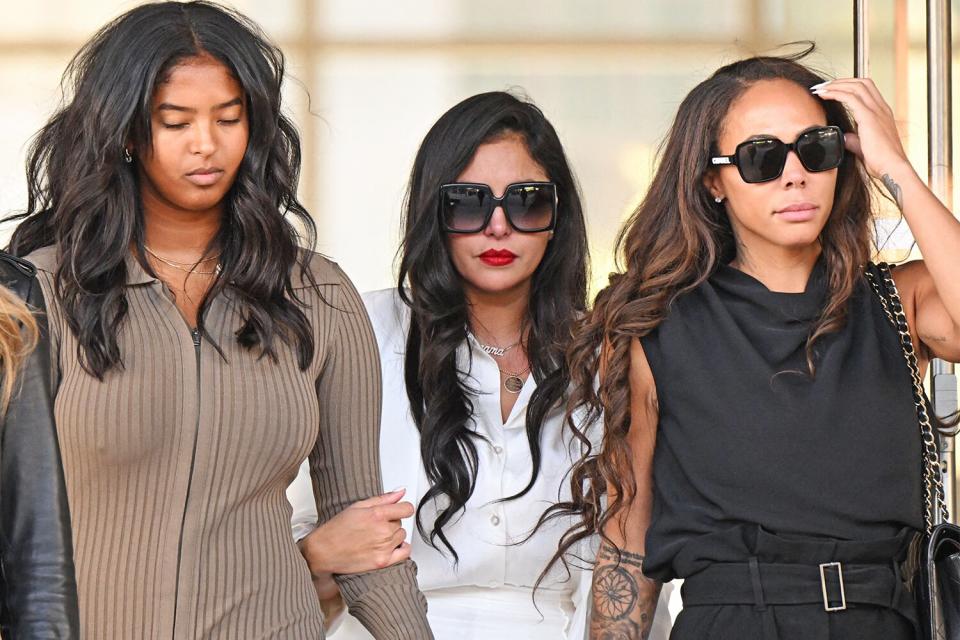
column 177, row 465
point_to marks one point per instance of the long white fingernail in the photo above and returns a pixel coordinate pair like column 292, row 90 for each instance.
column 820, row 86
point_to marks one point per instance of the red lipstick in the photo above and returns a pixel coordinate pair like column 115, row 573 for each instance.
column 497, row 257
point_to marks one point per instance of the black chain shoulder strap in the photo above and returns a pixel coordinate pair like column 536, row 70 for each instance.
column 881, row 279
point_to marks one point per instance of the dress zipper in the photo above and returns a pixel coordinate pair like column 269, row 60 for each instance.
column 195, row 334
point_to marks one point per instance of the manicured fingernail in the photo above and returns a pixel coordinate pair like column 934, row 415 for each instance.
column 396, row 490
column 820, row 85
column 818, row 92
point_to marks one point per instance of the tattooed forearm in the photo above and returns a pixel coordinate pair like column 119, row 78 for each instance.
column 624, row 600
column 895, row 192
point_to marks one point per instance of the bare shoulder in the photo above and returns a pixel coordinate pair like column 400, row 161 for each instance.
column 913, row 283
column 644, row 415
column 911, row 276
column 929, row 321
column 916, row 288
column 643, row 387
column 643, row 391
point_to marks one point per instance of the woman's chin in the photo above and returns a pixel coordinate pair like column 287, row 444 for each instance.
column 497, row 284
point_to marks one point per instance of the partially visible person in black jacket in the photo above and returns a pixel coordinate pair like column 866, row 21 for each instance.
column 38, row 593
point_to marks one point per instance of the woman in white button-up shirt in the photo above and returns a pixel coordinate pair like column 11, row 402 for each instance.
column 495, row 286
column 494, row 266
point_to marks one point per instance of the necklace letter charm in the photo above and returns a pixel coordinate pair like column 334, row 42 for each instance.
column 492, row 350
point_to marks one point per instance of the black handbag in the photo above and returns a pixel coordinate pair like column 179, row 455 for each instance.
column 937, row 583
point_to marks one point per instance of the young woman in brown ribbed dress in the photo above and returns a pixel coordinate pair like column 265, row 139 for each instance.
column 199, row 355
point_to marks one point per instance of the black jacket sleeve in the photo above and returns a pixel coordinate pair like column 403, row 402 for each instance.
column 38, row 587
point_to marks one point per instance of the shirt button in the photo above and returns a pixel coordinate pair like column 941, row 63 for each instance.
column 498, row 449
column 495, row 520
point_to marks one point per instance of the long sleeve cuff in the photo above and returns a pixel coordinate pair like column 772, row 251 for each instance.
column 387, row 602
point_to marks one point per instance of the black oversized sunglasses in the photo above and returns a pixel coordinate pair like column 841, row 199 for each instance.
column 466, row 207
column 763, row 159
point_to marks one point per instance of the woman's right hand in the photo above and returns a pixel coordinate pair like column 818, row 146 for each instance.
column 365, row 536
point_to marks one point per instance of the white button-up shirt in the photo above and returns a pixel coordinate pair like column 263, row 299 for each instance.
column 485, row 533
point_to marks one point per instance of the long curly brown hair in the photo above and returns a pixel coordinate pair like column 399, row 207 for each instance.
column 674, row 240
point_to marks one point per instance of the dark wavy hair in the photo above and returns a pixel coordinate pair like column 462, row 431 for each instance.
column 674, row 240
column 437, row 390
column 85, row 200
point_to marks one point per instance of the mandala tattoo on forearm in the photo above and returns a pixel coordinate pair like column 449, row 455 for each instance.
column 618, row 596
column 618, row 593
column 895, row 191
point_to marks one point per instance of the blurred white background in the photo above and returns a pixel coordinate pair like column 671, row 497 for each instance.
column 368, row 78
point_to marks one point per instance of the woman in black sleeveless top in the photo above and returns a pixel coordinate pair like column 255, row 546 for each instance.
column 760, row 435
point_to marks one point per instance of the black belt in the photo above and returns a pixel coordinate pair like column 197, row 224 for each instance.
column 832, row 585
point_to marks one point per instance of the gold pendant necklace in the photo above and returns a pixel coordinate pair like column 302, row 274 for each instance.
column 513, row 382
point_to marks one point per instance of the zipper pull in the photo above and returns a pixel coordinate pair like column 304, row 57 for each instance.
column 196, row 337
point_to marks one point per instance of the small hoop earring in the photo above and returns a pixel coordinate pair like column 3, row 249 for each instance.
column 718, row 199
column 127, row 156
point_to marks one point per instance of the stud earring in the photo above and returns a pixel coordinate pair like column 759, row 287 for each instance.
column 718, row 199
column 127, row 156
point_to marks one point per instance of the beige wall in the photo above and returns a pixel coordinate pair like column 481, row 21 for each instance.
column 609, row 74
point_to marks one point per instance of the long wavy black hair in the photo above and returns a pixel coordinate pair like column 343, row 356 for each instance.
column 433, row 289
column 85, row 200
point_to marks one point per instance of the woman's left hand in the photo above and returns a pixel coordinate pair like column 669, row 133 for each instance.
column 365, row 536
column 929, row 288
column 877, row 141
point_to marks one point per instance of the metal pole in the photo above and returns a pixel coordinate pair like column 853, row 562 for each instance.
column 943, row 383
column 901, row 61
column 861, row 38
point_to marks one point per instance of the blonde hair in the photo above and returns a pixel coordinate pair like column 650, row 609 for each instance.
column 19, row 335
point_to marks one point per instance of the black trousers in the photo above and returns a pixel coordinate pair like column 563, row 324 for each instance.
column 791, row 622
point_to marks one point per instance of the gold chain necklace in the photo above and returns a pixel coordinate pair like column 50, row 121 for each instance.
column 491, row 349
column 182, row 266
column 494, row 350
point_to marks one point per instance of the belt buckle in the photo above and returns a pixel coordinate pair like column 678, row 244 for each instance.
column 823, row 586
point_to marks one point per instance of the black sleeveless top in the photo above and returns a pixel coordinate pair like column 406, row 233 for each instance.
column 748, row 443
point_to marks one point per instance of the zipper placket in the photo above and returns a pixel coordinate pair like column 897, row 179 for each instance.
column 195, row 334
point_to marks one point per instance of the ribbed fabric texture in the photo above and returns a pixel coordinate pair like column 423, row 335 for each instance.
column 177, row 465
